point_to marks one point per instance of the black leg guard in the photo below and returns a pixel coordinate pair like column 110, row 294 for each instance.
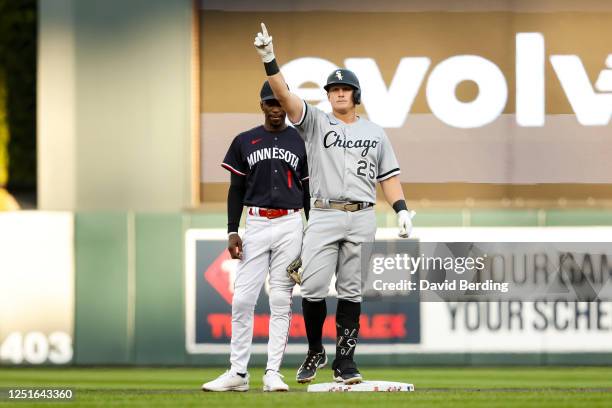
column 315, row 313
column 347, row 328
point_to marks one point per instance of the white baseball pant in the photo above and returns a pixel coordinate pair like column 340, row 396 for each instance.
column 269, row 245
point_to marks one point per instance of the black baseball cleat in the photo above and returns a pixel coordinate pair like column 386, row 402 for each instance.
column 308, row 370
column 345, row 371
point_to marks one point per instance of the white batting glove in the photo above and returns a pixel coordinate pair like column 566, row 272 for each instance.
column 404, row 222
column 263, row 44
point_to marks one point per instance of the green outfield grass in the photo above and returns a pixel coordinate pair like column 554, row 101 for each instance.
column 435, row 387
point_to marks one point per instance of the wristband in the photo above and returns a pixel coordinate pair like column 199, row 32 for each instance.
column 399, row 205
column 271, row 67
column 231, row 233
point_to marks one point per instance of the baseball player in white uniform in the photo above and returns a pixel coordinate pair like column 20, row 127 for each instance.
column 347, row 156
column 269, row 175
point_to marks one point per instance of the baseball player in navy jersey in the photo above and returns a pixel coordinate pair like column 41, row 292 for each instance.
column 269, row 175
column 347, row 156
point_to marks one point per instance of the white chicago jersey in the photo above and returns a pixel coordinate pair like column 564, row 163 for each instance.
column 345, row 160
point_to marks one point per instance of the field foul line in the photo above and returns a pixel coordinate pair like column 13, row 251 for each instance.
column 426, row 390
column 507, row 389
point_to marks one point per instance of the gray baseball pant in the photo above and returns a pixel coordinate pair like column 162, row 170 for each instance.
column 332, row 244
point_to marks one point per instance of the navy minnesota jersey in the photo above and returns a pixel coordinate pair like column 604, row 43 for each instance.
column 274, row 164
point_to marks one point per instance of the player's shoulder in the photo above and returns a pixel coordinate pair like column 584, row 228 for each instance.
column 371, row 127
column 368, row 123
column 249, row 134
column 313, row 110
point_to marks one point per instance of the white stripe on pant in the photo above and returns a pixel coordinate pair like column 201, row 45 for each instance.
column 269, row 245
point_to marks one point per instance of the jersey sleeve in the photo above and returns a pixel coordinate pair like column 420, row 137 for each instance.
column 304, row 169
column 234, row 160
column 308, row 122
column 387, row 162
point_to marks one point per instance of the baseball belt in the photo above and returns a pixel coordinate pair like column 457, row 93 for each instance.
column 349, row 206
column 270, row 213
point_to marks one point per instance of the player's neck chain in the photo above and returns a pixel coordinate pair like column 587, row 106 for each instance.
column 349, row 120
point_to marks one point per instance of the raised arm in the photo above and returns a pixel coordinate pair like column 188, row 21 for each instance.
column 290, row 102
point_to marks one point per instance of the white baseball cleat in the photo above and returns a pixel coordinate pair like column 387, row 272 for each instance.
column 228, row 381
column 273, row 381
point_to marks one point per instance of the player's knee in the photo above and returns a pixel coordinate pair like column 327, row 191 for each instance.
column 280, row 302
column 314, row 294
column 313, row 299
column 351, row 297
column 243, row 303
column 313, row 290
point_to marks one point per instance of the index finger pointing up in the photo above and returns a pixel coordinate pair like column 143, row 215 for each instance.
column 264, row 30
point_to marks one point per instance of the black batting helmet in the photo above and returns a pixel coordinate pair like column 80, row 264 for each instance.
column 343, row 76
